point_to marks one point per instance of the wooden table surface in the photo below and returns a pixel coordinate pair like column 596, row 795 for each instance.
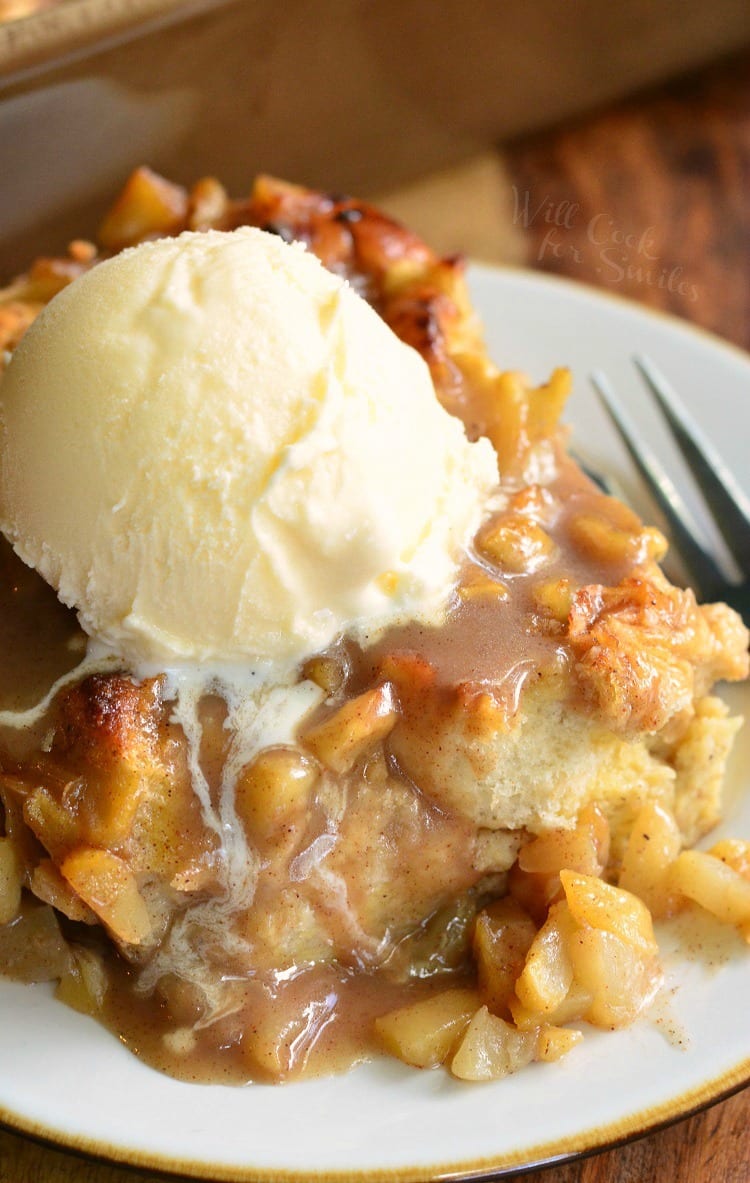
column 652, row 200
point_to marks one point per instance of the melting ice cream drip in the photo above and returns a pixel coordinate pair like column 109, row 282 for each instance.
column 259, row 715
column 95, row 662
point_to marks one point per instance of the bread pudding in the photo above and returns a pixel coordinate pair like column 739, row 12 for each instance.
column 450, row 839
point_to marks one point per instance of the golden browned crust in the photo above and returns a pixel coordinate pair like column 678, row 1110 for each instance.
column 111, row 776
column 645, row 650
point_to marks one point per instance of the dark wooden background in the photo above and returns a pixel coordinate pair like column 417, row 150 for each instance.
column 672, row 171
column 652, row 200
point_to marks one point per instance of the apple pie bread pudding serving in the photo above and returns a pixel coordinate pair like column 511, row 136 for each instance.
column 339, row 712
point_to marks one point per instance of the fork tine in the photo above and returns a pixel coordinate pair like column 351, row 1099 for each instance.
column 703, row 569
column 725, row 498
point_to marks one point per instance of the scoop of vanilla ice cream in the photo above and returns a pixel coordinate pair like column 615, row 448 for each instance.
column 216, row 451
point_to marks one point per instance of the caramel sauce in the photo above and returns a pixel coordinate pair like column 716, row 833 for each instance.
column 318, row 1023
column 501, row 642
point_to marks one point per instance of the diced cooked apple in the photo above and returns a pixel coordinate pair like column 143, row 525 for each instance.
column 502, row 937
column 273, row 790
column 584, row 848
column 553, row 597
column 48, row 885
column 713, row 884
column 735, row 853
column 598, row 536
column 548, row 974
column 51, row 823
column 622, row 978
column 594, row 958
column 555, row 1042
column 653, row 846
column 326, row 672
column 424, row 1033
column 478, row 585
column 84, row 986
column 596, row 904
column 346, row 735
column 109, row 887
column 534, row 891
column 514, row 543
column 573, row 1007
column 491, row 1048
column 208, row 204
column 148, row 205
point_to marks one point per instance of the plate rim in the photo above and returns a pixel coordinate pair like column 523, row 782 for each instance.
column 586, row 1142
column 578, row 288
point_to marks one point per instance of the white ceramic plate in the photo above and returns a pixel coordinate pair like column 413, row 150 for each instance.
column 64, row 1078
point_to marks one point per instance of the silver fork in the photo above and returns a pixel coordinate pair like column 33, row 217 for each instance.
column 728, row 503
